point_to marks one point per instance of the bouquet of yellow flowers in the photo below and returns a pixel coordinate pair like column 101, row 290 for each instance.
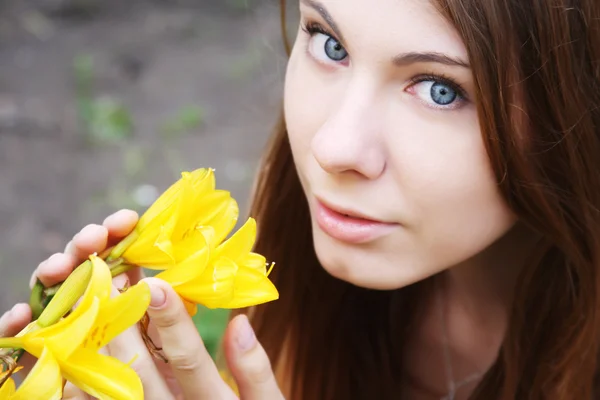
column 183, row 236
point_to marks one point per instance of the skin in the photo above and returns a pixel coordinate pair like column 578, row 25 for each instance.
column 366, row 134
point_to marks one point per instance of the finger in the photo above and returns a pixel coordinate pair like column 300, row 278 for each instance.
column 91, row 239
column 54, row 270
column 121, row 282
column 14, row 320
column 249, row 363
column 72, row 392
column 120, row 224
column 129, row 346
column 192, row 366
column 135, row 275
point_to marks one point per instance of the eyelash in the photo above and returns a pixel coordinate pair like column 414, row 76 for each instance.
column 312, row 28
column 443, row 79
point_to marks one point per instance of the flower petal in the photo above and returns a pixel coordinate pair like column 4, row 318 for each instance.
column 64, row 339
column 194, row 242
column 155, row 215
column 190, row 307
column 219, row 210
column 195, row 194
column 102, row 376
column 43, row 382
column 119, row 314
column 101, row 281
column 224, row 222
column 153, row 249
column 76, row 323
column 155, row 245
column 189, row 269
column 8, row 389
column 251, row 288
column 240, row 243
column 254, row 261
column 213, row 288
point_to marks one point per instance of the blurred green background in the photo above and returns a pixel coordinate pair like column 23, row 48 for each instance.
column 104, row 102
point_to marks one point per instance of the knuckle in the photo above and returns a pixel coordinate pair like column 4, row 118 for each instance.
column 69, row 247
column 90, row 226
column 167, row 319
column 259, row 370
column 55, row 256
column 40, row 266
column 188, row 363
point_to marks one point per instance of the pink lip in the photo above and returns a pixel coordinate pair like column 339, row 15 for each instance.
column 348, row 226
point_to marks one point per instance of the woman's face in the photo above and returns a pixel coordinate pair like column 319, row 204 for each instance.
column 384, row 132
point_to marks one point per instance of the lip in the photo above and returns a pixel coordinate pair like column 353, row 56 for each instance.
column 350, row 226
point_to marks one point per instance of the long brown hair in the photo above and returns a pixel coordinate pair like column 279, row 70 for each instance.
column 536, row 66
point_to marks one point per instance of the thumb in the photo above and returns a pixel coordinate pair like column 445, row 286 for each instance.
column 71, row 392
column 249, row 363
column 192, row 365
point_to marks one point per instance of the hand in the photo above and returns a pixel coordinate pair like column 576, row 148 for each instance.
column 190, row 373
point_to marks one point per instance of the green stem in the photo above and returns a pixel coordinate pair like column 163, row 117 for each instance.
column 121, row 268
column 106, row 253
column 35, row 300
column 120, row 248
column 11, row 343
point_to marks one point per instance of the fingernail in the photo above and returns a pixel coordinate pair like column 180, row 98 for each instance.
column 246, row 339
column 158, row 297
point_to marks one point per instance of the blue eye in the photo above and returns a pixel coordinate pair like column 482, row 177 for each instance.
column 323, row 46
column 437, row 92
column 334, row 50
column 442, row 94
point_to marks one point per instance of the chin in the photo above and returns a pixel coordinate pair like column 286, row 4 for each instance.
column 356, row 266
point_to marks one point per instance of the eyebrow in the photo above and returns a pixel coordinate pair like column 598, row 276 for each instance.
column 320, row 8
column 399, row 60
column 428, row 57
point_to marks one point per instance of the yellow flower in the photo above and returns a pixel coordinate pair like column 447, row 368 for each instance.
column 7, row 390
column 170, row 231
column 43, row 382
column 228, row 276
column 228, row 379
column 75, row 340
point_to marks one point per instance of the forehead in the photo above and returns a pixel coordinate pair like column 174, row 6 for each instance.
column 391, row 26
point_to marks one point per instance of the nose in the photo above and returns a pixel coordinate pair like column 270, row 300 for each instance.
column 350, row 140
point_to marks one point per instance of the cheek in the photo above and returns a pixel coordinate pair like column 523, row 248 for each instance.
column 306, row 107
column 445, row 174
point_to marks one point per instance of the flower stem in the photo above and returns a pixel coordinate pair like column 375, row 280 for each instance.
column 11, row 343
column 121, row 268
column 118, row 250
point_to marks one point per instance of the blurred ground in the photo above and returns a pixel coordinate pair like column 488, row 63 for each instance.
column 103, row 103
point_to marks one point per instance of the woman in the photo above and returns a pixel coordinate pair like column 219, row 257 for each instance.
column 432, row 197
